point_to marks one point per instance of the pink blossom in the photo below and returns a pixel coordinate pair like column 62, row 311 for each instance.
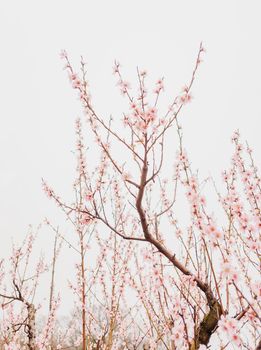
column 187, row 97
column 47, row 190
column 89, row 196
column 86, row 219
column 76, row 84
column 63, row 54
column 226, row 268
column 116, row 67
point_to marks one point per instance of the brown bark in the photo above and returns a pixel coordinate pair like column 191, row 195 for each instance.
column 30, row 326
column 259, row 345
column 210, row 321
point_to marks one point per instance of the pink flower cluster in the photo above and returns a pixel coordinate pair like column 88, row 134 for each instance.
column 229, row 327
column 140, row 119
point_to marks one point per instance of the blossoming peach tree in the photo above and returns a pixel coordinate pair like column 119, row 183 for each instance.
column 197, row 280
column 169, row 273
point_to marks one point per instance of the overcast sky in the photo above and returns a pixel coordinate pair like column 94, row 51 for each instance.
column 38, row 106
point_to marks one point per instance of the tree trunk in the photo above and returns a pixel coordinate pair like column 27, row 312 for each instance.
column 31, row 331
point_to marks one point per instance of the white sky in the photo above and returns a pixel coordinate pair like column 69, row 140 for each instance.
column 38, row 106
